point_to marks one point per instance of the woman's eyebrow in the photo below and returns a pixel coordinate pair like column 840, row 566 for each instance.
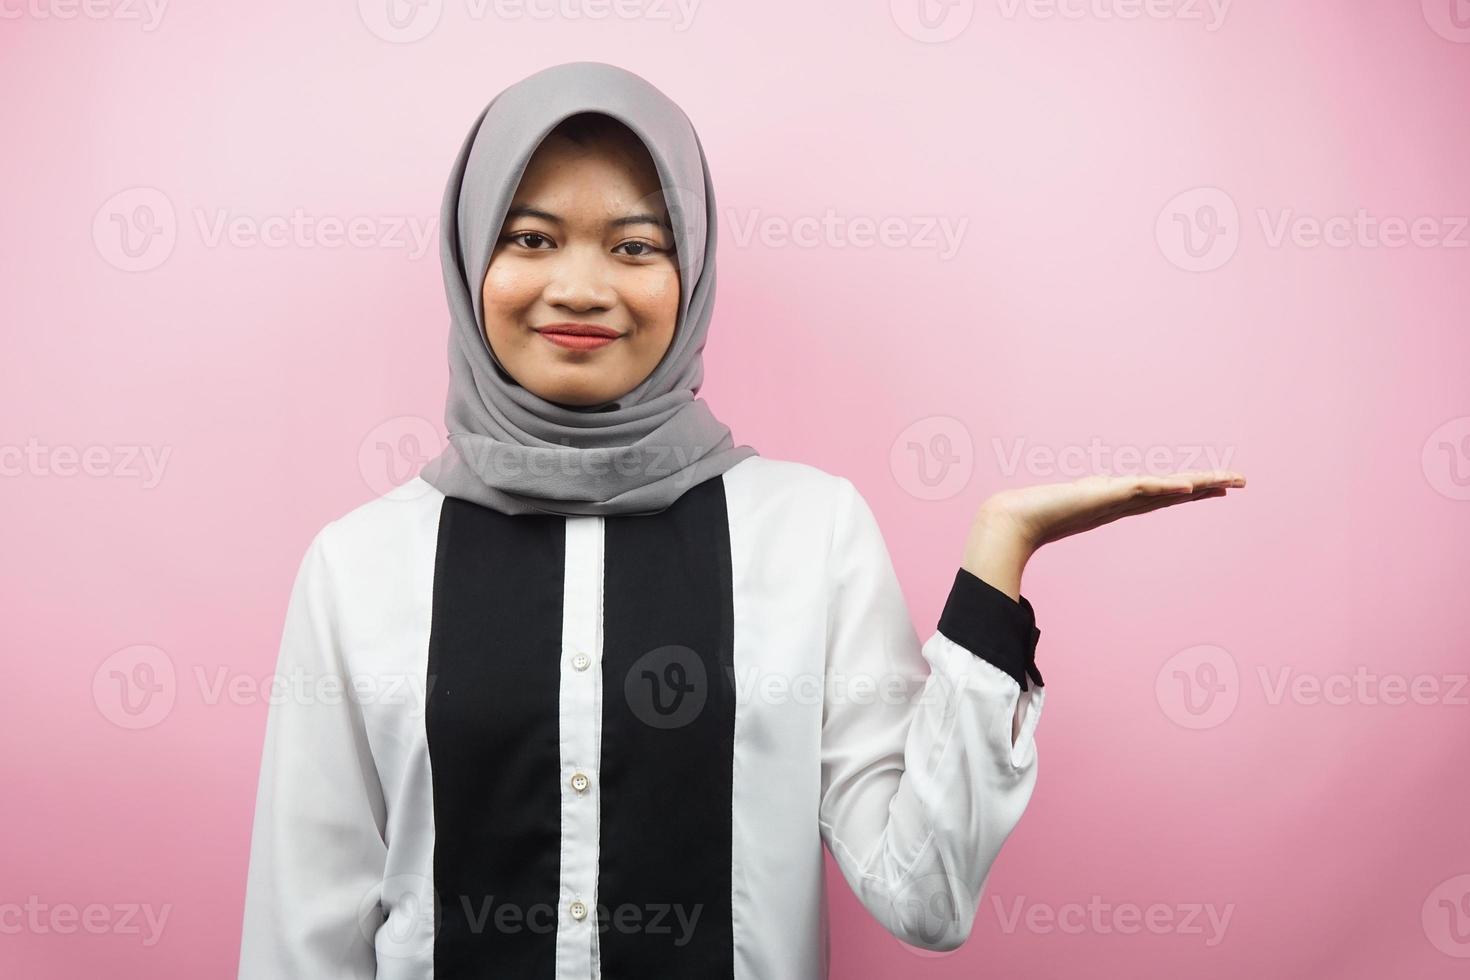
column 639, row 219
column 526, row 211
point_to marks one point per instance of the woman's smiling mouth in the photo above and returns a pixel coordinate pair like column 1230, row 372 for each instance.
column 578, row 336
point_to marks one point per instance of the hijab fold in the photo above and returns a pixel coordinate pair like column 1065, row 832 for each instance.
column 512, row 450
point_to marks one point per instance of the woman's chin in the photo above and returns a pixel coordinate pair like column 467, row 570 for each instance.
column 576, row 398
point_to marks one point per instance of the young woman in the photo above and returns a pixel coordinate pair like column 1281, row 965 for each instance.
column 606, row 682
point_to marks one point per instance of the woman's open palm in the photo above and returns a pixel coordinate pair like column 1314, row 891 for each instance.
column 1050, row 511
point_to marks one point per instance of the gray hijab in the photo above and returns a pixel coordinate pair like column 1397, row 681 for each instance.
column 512, row 450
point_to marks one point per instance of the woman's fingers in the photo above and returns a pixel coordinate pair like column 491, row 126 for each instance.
column 1113, row 509
column 1143, row 506
column 1185, row 482
column 1049, row 512
column 1213, row 478
column 1150, row 485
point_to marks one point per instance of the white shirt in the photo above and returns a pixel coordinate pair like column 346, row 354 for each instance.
column 576, row 747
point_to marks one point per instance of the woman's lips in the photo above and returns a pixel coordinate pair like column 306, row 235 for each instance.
column 574, row 341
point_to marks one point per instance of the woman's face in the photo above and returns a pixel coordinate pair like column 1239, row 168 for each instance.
column 585, row 243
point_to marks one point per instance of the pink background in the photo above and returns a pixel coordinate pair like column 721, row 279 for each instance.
column 1322, row 825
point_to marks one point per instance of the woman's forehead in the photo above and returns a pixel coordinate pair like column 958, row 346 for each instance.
column 602, row 187
column 609, row 214
column 623, row 154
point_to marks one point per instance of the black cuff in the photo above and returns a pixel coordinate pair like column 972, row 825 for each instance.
column 993, row 626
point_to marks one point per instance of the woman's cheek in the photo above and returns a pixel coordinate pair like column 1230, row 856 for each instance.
column 657, row 295
column 505, row 285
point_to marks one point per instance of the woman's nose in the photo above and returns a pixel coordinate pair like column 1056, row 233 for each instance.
column 579, row 281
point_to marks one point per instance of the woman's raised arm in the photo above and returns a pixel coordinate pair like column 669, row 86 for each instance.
column 928, row 752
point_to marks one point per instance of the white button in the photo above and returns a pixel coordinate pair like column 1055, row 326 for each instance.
column 579, row 910
column 581, row 661
column 579, row 781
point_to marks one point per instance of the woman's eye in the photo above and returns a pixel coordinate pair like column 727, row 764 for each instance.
column 648, row 249
column 527, row 238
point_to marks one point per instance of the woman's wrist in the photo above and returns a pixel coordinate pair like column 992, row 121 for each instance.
column 997, row 551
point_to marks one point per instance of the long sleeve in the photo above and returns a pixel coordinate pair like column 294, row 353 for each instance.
column 925, row 777
column 317, row 847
